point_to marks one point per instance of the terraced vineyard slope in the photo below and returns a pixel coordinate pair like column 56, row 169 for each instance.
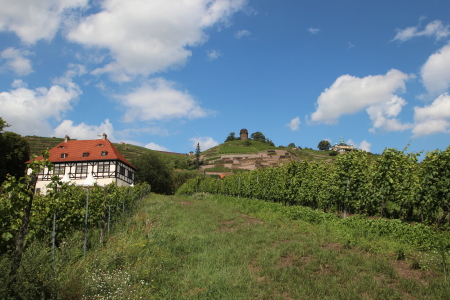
column 234, row 156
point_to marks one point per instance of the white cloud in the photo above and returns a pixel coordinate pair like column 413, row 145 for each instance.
column 294, row 124
column 28, row 111
column 33, row 20
column 157, row 147
column 313, row 30
column 73, row 70
column 145, row 37
column 204, row 141
column 349, row 94
column 383, row 115
column 83, row 131
column 242, row 33
column 16, row 61
column 436, row 71
column 158, row 100
column 434, row 28
column 433, row 118
column 364, row 145
column 18, row 83
column 213, row 54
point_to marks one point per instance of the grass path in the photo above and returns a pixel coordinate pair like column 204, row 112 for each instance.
column 201, row 248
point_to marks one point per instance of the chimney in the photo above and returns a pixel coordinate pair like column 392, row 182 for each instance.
column 104, row 136
column 66, row 139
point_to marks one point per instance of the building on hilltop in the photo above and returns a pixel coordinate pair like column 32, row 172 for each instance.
column 76, row 159
column 243, row 134
column 342, row 147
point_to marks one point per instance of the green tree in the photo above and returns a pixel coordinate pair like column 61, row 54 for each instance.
column 3, row 124
column 155, row 171
column 270, row 142
column 231, row 137
column 14, row 152
column 258, row 136
column 291, row 145
column 324, row 145
column 198, row 163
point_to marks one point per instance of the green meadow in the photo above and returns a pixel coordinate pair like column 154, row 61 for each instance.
column 216, row 247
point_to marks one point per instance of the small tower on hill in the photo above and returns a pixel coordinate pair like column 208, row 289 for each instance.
column 243, row 134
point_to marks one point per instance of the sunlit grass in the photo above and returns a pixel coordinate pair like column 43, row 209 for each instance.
column 207, row 247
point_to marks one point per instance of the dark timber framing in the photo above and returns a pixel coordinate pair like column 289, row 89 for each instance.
column 100, row 169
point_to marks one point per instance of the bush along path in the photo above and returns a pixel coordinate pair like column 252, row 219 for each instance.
column 217, row 247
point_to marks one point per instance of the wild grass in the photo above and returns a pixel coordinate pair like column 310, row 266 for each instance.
column 215, row 247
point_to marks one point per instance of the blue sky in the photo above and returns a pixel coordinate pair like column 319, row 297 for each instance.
column 167, row 74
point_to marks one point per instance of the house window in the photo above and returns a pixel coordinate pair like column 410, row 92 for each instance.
column 130, row 174
column 85, row 154
column 59, row 170
column 61, row 147
column 122, row 170
column 100, row 145
column 81, row 169
column 104, row 153
column 64, row 155
column 103, row 167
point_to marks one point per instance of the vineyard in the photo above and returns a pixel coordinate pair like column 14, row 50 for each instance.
column 393, row 186
column 26, row 217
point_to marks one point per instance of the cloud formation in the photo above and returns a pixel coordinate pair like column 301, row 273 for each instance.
column 383, row 115
column 29, row 110
column 433, row 29
column 158, row 99
column 364, row 145
column 313, row 30
column 205, row 142
column 213, row 54
column 436, row 71
column 34, row 20
column 294, row 124
column 349, row 95
column 156, row 147
column 83, row 131
column 145, row 37
column 242, row 33
column 433, row 118
column 16, row 61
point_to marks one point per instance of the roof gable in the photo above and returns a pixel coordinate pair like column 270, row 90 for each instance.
column 85, row 150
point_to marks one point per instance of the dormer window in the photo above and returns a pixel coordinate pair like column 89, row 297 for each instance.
column 85, row 154
column 104, row 153
column 64, row 155
column 100, row 145
column 61, row 147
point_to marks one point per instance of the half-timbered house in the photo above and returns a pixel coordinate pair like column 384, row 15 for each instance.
column 78, row 158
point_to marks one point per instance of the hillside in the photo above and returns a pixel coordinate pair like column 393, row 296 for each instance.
column 225, row 158
column 38, row 143
column 242, row 155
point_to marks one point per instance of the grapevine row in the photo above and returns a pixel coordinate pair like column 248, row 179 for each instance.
column 395, row 185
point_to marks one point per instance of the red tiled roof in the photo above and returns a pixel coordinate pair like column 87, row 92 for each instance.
column 75, row 149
